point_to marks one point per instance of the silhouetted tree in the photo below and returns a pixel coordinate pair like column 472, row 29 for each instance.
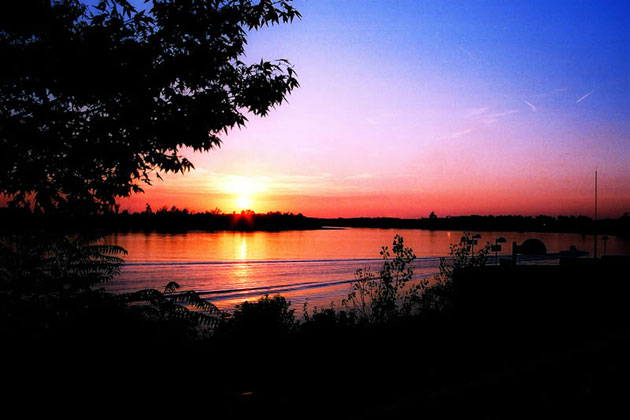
column 95, row 99
column 389, row 295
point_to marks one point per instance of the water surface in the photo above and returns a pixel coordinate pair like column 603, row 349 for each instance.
column 229, row 267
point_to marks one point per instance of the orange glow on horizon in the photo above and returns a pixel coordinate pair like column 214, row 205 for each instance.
column 436, row 185
column 395, row 203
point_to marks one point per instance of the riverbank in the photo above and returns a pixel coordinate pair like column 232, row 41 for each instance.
column 516, row 342
column 182, row 220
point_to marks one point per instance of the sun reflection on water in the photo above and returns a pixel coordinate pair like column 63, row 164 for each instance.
column 243, row 254
column 241, row 272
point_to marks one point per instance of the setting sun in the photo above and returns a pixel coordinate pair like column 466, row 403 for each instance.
column 244, row 189
column 244, row 202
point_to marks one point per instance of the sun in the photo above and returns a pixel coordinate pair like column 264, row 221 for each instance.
column 243, row 189
column 244, row 202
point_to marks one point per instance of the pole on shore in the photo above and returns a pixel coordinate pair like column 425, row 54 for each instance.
column 595, row 224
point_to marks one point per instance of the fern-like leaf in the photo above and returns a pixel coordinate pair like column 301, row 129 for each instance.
column 171, row 287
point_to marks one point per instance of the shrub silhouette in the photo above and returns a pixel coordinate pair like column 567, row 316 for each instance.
column 50, row 263
column 269, row 317
column 388, row 296
column 171, row 305
column 49, row 284
column 439, row 296
column 393, row 295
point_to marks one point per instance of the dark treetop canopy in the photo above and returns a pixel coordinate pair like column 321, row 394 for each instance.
column 96, row 98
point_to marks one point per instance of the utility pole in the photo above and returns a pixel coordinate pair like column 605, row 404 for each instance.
column 595, row 224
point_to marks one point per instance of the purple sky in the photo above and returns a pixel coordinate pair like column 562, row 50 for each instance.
column 408, row 107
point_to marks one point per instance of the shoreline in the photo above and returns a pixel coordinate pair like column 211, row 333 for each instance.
column 180, row 221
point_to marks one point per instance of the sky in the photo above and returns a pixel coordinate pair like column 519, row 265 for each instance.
column 409, row 107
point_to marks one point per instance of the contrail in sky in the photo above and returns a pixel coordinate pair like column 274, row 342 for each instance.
column 469, row 54
column 584, row 97
column 533, row 107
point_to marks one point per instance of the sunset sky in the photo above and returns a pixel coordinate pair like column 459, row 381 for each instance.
column 408, row 107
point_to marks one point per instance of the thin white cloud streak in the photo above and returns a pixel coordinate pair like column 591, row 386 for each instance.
column 533, row 107
column 585, row 96
column 480, row 117
column 502, row 114
column 460, row 133
column 475, row 112
column 469, row 54
column 483, row 116
column 492, row 118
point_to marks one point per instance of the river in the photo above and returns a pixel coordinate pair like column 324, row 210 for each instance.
column 315, row 265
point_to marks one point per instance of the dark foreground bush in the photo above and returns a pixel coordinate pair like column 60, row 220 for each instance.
column 510, row 343
column 267, row 318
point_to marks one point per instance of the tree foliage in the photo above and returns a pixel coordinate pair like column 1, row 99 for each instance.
column 47, row 284
column 172, row 305
column 390, row 294
column 394, row 293
column 462, row 256
column 46, row 280
column 32, row 265
column 267, row 318
column 97, row 99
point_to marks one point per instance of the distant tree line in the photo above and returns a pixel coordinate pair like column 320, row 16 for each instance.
column 162, row 220
column 174, row 219
column 541, row 223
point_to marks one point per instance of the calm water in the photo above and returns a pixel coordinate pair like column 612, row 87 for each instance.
column 230, row 267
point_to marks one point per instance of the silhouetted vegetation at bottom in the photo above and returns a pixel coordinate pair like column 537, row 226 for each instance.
column 179, row 220
column 487, row 341
column 516, row 342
